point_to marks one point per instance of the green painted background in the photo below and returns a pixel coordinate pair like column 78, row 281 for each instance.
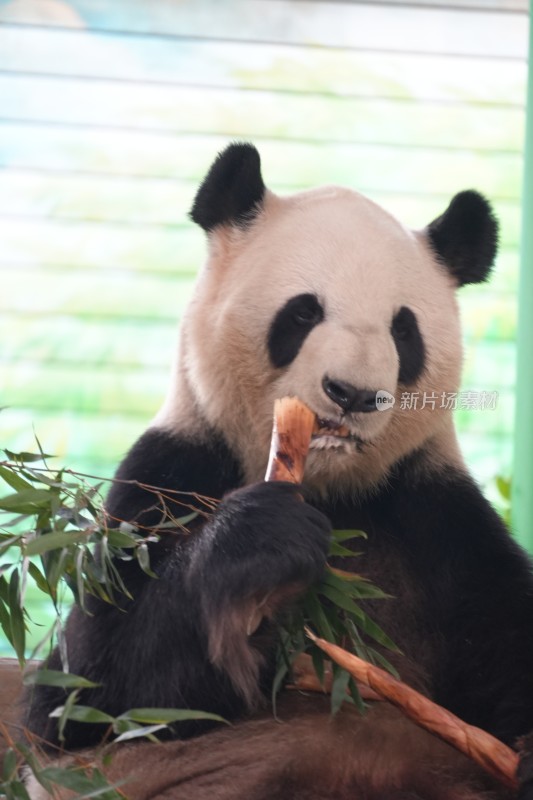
column 110, row 113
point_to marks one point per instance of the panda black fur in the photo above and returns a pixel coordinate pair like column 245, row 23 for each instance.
column 325, row 296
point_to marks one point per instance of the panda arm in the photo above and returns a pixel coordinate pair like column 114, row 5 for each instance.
column 180, row 641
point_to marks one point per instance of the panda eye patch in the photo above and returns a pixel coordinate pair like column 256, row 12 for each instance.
column 290, row 327
column 409, row 345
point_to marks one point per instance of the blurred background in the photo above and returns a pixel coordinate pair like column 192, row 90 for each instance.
column 111, row 111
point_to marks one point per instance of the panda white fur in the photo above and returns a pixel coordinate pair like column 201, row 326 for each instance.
column 325, row 296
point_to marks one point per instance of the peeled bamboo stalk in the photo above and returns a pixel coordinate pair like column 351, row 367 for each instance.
column 291, row 437
column 480, row 746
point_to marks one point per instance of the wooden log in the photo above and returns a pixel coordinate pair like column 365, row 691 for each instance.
column 487, row 751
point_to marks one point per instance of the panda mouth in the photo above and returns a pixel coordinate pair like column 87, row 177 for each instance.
column 330, row 432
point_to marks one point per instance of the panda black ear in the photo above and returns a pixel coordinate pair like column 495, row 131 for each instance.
column 233, row 189
column 465, row 237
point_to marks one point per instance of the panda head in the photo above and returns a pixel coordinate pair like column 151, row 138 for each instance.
column 325, row 296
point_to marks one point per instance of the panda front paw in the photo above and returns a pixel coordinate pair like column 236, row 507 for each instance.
column 263, row 546
column 260, row 538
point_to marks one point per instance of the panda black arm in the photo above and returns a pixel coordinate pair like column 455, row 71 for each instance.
column 160, row 649
column 163, row 460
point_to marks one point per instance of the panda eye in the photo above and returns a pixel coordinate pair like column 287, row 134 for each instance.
column 303, row 316
column 402, row 324
column 307, row 312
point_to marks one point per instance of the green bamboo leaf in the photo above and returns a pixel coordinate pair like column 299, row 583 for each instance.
column 18, row 630
column 339, row 689
column 5, row 622
column 344, row 535
column 356, row 695
column 39, row 578
column 9, row 767
column 118, row 538
column 84, row 714
column 26, row 501
column 14, row 479
column 52, row 677
column 340, row 599
column 336, row 549
column 316, row 614
column 18, row 791
column 26, row 457
column 355, row 587
column 74, row 779
column 165, row 716
column 63, row 711
column 373, row 630
column 54, row 541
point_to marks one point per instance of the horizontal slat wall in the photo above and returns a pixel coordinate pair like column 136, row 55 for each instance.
column 110, row 114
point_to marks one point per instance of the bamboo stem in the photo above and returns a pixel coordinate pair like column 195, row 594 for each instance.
column 291, row 437
column 487, row 751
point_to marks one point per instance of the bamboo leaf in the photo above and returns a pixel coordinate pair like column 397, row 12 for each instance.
column 53, row 541
column 26, row 457
column 138, row 731
column 341, row 600
column 344, row 535
column 18, row 630
column 52, row 677
column 354, row 585
column 118, row 538
column 165, row 716
column 336, row 549
column 76, row 780
column 27, row 501
column 84, row 714
column 38, row 577
column 339, row 689
column 316, row 614
column 14, row 479
column 143, row 558
column 9, row 766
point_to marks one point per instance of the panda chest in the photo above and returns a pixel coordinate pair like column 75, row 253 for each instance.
column 405, row 615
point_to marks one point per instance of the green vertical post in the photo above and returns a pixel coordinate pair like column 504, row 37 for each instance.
column 522, row 484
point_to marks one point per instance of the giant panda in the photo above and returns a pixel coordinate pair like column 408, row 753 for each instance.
column 325, row 296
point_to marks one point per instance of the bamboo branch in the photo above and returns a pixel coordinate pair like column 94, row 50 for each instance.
column 480, row 746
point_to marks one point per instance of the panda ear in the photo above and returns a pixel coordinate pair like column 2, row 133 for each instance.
column 233, row 189
column 465, row 237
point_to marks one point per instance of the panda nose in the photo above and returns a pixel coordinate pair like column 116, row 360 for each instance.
column 348, row 397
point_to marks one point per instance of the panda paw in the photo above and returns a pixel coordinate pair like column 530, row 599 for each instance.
column 260, row 538
column 263, row 546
